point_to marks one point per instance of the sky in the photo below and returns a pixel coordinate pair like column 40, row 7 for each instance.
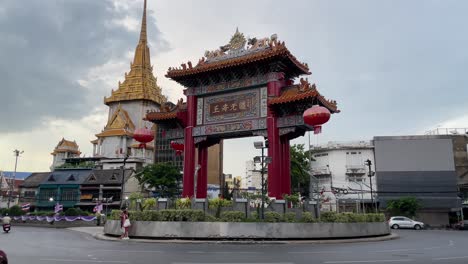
column 394, row 67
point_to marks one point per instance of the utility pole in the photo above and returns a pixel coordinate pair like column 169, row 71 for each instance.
column 122, row 195
column 12, row 187
column 370, row 174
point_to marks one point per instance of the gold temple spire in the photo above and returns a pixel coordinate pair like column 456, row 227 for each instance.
column 139, row 83
column 143, row 36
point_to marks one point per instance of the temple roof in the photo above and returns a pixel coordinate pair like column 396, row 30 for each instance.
column 120, row 124
column 300, row 92
column 239, row 52
column 66, row 146
column 167, row 112
column 139, row 83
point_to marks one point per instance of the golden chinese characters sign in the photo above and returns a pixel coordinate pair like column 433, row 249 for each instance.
column 231, row 107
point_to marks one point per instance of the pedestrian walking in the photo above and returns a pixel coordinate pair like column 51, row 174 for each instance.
column 124, row 223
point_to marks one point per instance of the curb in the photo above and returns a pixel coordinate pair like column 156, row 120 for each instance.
column 391, row 236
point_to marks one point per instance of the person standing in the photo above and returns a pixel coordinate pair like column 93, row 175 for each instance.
column 124, row 223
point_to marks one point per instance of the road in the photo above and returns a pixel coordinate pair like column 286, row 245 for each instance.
column 25, row 245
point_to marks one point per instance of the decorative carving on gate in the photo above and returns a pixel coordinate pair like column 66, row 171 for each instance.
column 174, row 133
column 286, row 130
column 199, row 111
column 233, row 127
column 197, row 140
column 261, row 133
column 289, row 121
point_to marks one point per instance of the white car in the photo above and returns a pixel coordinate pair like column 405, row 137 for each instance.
column 396, row 222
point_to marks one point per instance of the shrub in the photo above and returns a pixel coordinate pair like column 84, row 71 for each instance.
column 272, row 217
column 210, row 218
column 72, row 212
column 42, row 213
column 149, row 203
column 293, row 198
column 183, row 203
column 187, row 215
column 115, row 215
column 217, row 204
column 375, row 218
column 290, row 217
column 307, row 217
column 328, row 217
column 15, row 210
column 232, row 216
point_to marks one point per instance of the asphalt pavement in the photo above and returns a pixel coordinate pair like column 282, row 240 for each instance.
column 25, row 245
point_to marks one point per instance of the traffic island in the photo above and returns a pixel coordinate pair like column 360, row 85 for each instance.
column 261, row 231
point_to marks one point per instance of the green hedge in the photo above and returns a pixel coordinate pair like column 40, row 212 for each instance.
column 232, row 216
column 289, row 217
column 273, row 217
column 189, row 215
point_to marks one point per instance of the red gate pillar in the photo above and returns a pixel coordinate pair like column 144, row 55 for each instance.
column 274, row 85
column 189, row 148
column 286, row 177
column 202, row 178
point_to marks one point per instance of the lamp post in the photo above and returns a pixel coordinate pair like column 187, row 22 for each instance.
column 17, row 153
column 370, row 174
column 123, row 180
column 264, row 161
column 197, row 168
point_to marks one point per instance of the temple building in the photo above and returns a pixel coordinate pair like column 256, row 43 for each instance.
column 138, row 94
column 65, row 149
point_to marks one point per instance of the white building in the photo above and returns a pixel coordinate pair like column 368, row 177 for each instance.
column 343, row 175
column 136, row 95
column 65, row 149
column 252, row 179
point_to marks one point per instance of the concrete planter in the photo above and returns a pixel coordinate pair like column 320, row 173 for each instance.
column 221, row 230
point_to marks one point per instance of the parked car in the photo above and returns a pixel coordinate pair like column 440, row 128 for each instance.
column 3, row 258
column 396, row 222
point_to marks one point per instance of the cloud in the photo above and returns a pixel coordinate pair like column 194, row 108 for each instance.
column 47, row 55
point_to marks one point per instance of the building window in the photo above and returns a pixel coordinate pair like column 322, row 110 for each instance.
column 29, row 194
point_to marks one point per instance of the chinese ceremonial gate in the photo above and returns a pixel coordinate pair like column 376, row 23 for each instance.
column 245, row 88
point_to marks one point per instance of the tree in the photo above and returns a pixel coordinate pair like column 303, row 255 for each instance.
column 406, row 206
column 165, row 178
column 300, row 176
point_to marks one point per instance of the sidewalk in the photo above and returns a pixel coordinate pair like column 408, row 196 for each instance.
column 98, row 233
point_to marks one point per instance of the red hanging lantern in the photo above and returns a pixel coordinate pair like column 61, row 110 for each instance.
column 143, row 135
column 316, row 116
column 178, row 147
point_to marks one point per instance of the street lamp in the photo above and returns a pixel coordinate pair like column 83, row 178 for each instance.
column 51, row 199
column 12, row 187
column 197, row 168
column 264, row 161
column 368, row 162
column 122, row 168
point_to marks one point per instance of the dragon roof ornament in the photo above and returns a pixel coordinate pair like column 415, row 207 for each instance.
column 239, row 46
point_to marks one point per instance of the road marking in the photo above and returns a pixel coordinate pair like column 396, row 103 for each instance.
column 128, row 251
column 368, row 261
column 393, row 250
column 86, row 261
column 236, row 252
column 232, row 263
column 447, row 258
column 319, row 252
column 196, row 252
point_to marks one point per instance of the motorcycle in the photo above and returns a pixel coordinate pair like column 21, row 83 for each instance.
column 6, row 228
